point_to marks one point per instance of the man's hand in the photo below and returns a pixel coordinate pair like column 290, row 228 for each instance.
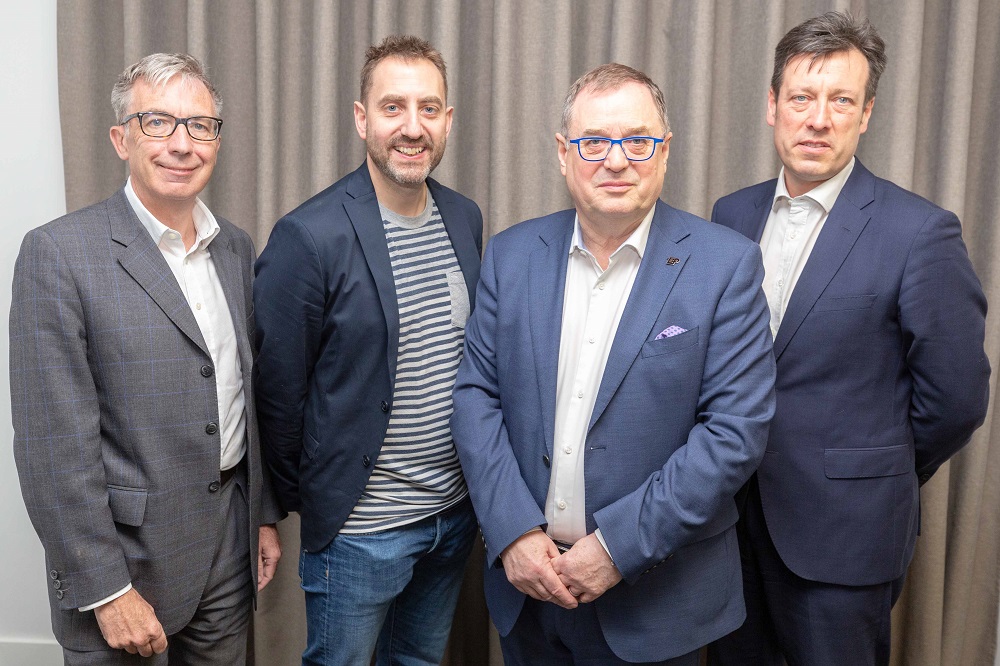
column 528, row 563
column 586, row 569
column 129, row 623
column 268, row 554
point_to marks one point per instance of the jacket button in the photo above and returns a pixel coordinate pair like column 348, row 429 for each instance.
column 214, row 486
column 212, row 428
column 206, row 371
column 59, row 594
column 546, row 461
column 53, row 574
column 365, row 460
column 385, row 406
column 57, row 584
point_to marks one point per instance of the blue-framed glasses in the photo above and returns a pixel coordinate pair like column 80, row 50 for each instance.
column 597, row 148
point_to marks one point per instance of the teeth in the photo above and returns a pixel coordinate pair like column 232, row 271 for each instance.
column 409, row 151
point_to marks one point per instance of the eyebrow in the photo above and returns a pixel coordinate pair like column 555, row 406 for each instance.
column 399, row 99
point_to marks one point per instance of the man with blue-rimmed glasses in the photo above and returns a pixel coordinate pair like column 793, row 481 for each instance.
column 615, row 393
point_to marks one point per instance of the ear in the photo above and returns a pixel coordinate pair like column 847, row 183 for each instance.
column 666, row 146
column 117, row 135
column 772, row 106
column 448, row 116
column 360, row 120
column 563, row 147
column 866, row 113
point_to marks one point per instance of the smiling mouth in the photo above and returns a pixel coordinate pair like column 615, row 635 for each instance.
column 410, row 151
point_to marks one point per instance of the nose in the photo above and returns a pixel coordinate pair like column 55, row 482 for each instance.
column 616, row 159
column 819, row 116
column 411, row 125
column 180, row 140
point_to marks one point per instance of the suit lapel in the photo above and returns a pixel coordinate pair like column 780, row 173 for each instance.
column 142, row 259
column 227, row 267
column 460, row 235
column 367, row 221
column 840, row 232
column 753, row 223
column 547, row 277
column 650, row 290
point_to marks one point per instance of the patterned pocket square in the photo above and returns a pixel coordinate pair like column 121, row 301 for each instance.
column 670, row 332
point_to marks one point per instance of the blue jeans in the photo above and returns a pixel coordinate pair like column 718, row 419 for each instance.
column 397, row 589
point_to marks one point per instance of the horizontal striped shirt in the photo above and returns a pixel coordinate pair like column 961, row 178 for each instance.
column 417, row 473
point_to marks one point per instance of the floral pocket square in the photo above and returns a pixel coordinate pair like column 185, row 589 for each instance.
column 670, row 332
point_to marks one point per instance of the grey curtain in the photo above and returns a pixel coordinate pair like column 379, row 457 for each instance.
column 289, row 74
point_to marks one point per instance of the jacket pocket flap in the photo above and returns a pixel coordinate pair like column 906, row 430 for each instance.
column 860, row 302
column 128, row 505
column 867, row 463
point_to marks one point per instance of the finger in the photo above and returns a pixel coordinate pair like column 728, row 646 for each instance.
column 131, row 649
column 558, row 592
column 159, row 644
column 146, row 650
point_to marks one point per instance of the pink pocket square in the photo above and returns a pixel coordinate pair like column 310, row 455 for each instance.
column 670, row 332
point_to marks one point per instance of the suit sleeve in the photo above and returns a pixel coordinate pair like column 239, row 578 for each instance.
column 942, row 313
column 687, row 499
column 502, row 500
column 288, row 305
column 57, row 429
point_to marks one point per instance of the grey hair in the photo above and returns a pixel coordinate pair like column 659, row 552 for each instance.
column 612, row 76
column 157, row 69
column 833, row 32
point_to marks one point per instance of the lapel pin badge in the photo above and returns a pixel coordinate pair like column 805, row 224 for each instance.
column 672, row 260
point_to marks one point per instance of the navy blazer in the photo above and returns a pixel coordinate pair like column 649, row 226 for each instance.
column 327, row 339
column 679, row 423
column 882, row 377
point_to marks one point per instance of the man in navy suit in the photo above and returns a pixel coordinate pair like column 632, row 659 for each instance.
column 362, row 295
column 878, row 321
column 615, row 394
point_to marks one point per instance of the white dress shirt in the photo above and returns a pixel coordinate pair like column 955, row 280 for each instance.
column 593, row 301
column 789, row 235
column 196, row 275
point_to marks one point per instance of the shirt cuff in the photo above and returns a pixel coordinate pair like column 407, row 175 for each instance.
column 597, row 533
column 105, row 600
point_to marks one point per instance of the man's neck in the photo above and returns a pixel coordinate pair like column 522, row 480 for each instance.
column 177, row 215
column 603, row 236
column 405, row 200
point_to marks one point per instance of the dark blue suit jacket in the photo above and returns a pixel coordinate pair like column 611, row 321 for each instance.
column 679, row 424
column 881, row 377
column 327, row 338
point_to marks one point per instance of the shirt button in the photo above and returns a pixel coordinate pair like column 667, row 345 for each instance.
column 579, row 394
column 206, row 371
column 212, row 428
column 561, row 504
column 781, row 282
column 197, row 306
column 214, row 487
column 600, row 285
column 591, row 341
column 567, row 450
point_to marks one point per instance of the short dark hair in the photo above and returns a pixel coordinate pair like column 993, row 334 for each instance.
column 405, row 47
column 612, row 76
column 832, row 32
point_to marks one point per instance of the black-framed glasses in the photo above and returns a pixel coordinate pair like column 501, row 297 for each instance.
column 161, row 125
column 597, row 148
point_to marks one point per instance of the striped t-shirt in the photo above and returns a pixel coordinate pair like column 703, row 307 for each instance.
column 417, row 473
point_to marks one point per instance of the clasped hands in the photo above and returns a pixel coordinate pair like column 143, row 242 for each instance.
column 535, row 566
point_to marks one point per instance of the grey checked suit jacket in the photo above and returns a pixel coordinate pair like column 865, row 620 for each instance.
column 114, row 443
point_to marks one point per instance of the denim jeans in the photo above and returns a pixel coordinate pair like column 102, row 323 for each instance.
column 396, row 589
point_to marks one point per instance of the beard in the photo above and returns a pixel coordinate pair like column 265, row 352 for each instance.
column 405, row 174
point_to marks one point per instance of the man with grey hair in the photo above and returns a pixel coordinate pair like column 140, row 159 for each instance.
column 615, row 394
column 136, row 444
column 878, row 322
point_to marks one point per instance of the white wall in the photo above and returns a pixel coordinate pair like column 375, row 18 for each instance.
column 32, row 192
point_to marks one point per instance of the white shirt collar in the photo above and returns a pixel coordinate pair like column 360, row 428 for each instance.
column 637, row 240
column 205, row 225
column 825, row 194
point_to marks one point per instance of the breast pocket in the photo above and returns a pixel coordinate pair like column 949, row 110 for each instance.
column 839, row 303
column 459, row 296
column 672, row 344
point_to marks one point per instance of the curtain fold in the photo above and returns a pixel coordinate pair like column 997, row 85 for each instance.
column 288, row 72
